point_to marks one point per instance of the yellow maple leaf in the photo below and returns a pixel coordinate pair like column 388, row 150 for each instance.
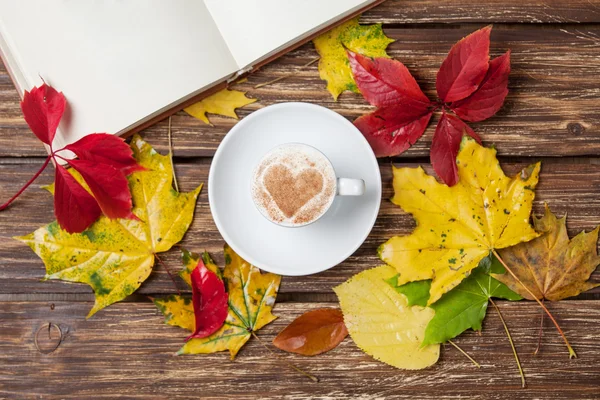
column 368, row 40
column 552, row 266
column 223, row 102
column 251, row 299
column 115, row 256
column 460, row 225
column 381, row 322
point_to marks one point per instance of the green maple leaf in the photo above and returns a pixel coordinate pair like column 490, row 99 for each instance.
column 115, row 256
column 464, row 306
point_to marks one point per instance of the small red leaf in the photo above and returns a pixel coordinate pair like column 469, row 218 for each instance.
column 108, row 149
column 488, row 99
column 108, row 185
column 312, row 333
column 445, row 146
column 392, row 130
column 465, row 66
column 384, row 82
column 210, row 301
column 74, row 207
column 43, row 108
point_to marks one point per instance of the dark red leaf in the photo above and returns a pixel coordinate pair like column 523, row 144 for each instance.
column 312, row 333
column 465, row 66
column 488, row 99
column 384, row 82
column 108, row 149
column 43, row 108
column 392, row 130
column 210, row 301
column 108, row 185
column 74, row 207
column 445, row 146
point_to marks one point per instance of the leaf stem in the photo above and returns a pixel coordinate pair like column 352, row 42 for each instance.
column 33, row 178
column 514, row 350
column 278, row 357
column 464, row 353
column 168, row 272
column 311, row 62
column 572, row 353
column 539, row 345
column 171, row 157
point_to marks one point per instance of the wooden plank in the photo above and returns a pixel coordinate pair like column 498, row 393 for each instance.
column 488, row 12
column 571, row 188
column 126, row 352
column 552, row 109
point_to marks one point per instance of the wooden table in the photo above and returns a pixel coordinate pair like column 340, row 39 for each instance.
column 551, row 114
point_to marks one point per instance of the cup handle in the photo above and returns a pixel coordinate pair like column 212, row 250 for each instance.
column 350, row 187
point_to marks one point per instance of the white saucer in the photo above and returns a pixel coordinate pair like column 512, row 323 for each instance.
column 303, row 250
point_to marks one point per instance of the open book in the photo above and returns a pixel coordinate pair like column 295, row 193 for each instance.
column 123, row 64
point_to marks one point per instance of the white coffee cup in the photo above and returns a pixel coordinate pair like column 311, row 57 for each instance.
column 293, row 160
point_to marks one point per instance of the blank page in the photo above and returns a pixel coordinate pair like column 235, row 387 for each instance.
column 256, row 28
column 116, row 61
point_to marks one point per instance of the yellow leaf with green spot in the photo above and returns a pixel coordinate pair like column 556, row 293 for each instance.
column 460, row 225
column 381, row 322
column 223, row 102
column 334, row 67
column 178, row 311
column 115, row 256
column 251, row 299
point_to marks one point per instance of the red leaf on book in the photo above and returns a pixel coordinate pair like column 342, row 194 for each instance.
column 445, row 146
column 384, row 82
column 488, row 99
column 209, row 300
column 108, row 185
column 465, row 66
column 104, row 148
column 43, row 108
column 74, row 207
column 392, row 130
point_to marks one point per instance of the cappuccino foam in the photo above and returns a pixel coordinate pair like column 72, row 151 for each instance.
column 293, row 185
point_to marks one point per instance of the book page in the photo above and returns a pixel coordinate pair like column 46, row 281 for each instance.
column 256, row 28
column 116, row 61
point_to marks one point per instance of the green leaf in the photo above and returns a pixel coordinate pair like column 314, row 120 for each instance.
column 417, row 293
column 465, row 306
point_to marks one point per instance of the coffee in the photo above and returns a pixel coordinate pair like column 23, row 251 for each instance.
column 293, row 185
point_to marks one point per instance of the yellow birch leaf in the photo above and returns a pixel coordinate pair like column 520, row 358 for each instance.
column 251, row 299
column 381, row 322
column 223, row 102
column 460, row 225
column 115, row 256
column 552, row 266
column 368, row 40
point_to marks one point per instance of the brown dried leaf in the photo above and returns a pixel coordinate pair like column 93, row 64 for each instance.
column 312, row 333
column 552, row 266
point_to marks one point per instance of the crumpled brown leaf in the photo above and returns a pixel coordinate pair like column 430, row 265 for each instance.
column 552, row 266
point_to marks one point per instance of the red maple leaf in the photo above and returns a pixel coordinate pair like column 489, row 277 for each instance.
column 209, row 300
column 104, row 161
column 468, row 84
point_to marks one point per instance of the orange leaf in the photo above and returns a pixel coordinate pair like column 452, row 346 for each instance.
column 312, row 333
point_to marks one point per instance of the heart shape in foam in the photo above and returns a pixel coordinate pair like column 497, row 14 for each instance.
column 292, row 191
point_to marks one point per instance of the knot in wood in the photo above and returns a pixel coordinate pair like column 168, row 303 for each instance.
column 47, row 338
column 575, row 128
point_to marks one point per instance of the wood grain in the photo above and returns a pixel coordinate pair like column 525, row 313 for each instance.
column 552, row 113
column 568, row 188
column 125, row 351
column 551, row 109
